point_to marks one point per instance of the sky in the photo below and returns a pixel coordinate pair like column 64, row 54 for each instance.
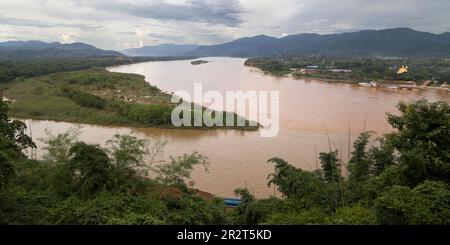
column 121, row 24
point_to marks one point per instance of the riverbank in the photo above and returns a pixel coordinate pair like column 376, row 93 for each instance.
column 381, row 84
column 368, row 72
column 94, row 96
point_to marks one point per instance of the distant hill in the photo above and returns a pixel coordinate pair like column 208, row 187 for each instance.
column 38, row 49
column 160, row 50
column 248, row 46
column 398, row 42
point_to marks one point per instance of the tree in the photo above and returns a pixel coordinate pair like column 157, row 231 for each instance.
column 258, row 211
column 127, row 153
column 91, row 168
column 309, row 189
column 13, row 138
column 6, row 170
column 191, row 209
column 331, row 166
column 359, row 164
column 382, row 157
column 57, row 147
column 423, row 140
column 246, row 199
column 427, row 203
column 354, row 215
column 179, row 169
column 313, row 216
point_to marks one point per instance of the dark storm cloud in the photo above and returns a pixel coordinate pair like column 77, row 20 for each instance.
column 43, row 24
column 23, row 22
column 180, row 37
column 226, row 12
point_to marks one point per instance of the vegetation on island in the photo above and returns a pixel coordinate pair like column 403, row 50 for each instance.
column 95, row 96
column 199, row 62
column 357, row 69
column 18, row 69
column 400, row 178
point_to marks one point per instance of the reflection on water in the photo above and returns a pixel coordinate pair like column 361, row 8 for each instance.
column 308, row 109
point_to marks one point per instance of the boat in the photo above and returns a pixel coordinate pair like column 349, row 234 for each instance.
column 364, row 85
column 392, row 86
column 232, row 201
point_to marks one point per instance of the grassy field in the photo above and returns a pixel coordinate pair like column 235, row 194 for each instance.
column 93, row 96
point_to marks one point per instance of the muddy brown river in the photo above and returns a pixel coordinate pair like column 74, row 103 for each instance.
column 308, row 110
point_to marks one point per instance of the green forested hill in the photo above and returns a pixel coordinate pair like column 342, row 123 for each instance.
column 398, row 42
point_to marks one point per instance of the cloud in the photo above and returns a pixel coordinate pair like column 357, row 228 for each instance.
column 44, row 24
column 214, row 12
column 126, row 33
column 113, row 24
column 23, row 22
column 329, row 16
column 68, row 37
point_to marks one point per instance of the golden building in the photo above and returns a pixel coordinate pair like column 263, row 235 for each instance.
column 402, row 69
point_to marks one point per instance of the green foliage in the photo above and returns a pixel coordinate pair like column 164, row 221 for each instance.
column 84, row 99
column 148, row 114
column 381, row 157
column 109, row 208
column 403, row 179
column 354, row 215
column 6, row 170
column 91, row 96
column 423, row 140
column 13, row 140
column 293, row 182
column 246, row 199
column 362, row 68
column 427, row 203
column 359, row 164
column 391, row 182
column 313, row 216
column 391, row 176
column 193, row 210
column 331, row 166
column 179, row 169
column 90, row 168
column 95, row 96
column 77, row 183
column 359, row 167
column 273, row 66
column 56, row 147
column 13, row 137
column 128, row 152
column 258, row 211
column 309, row 189
column 19, row 206
column 25, row 68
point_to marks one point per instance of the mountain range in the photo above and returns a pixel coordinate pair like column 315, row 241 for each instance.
column 39, row 49
column 166, row 49
column 397, row 42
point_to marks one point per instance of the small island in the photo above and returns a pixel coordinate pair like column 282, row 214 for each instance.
column 199, row 62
